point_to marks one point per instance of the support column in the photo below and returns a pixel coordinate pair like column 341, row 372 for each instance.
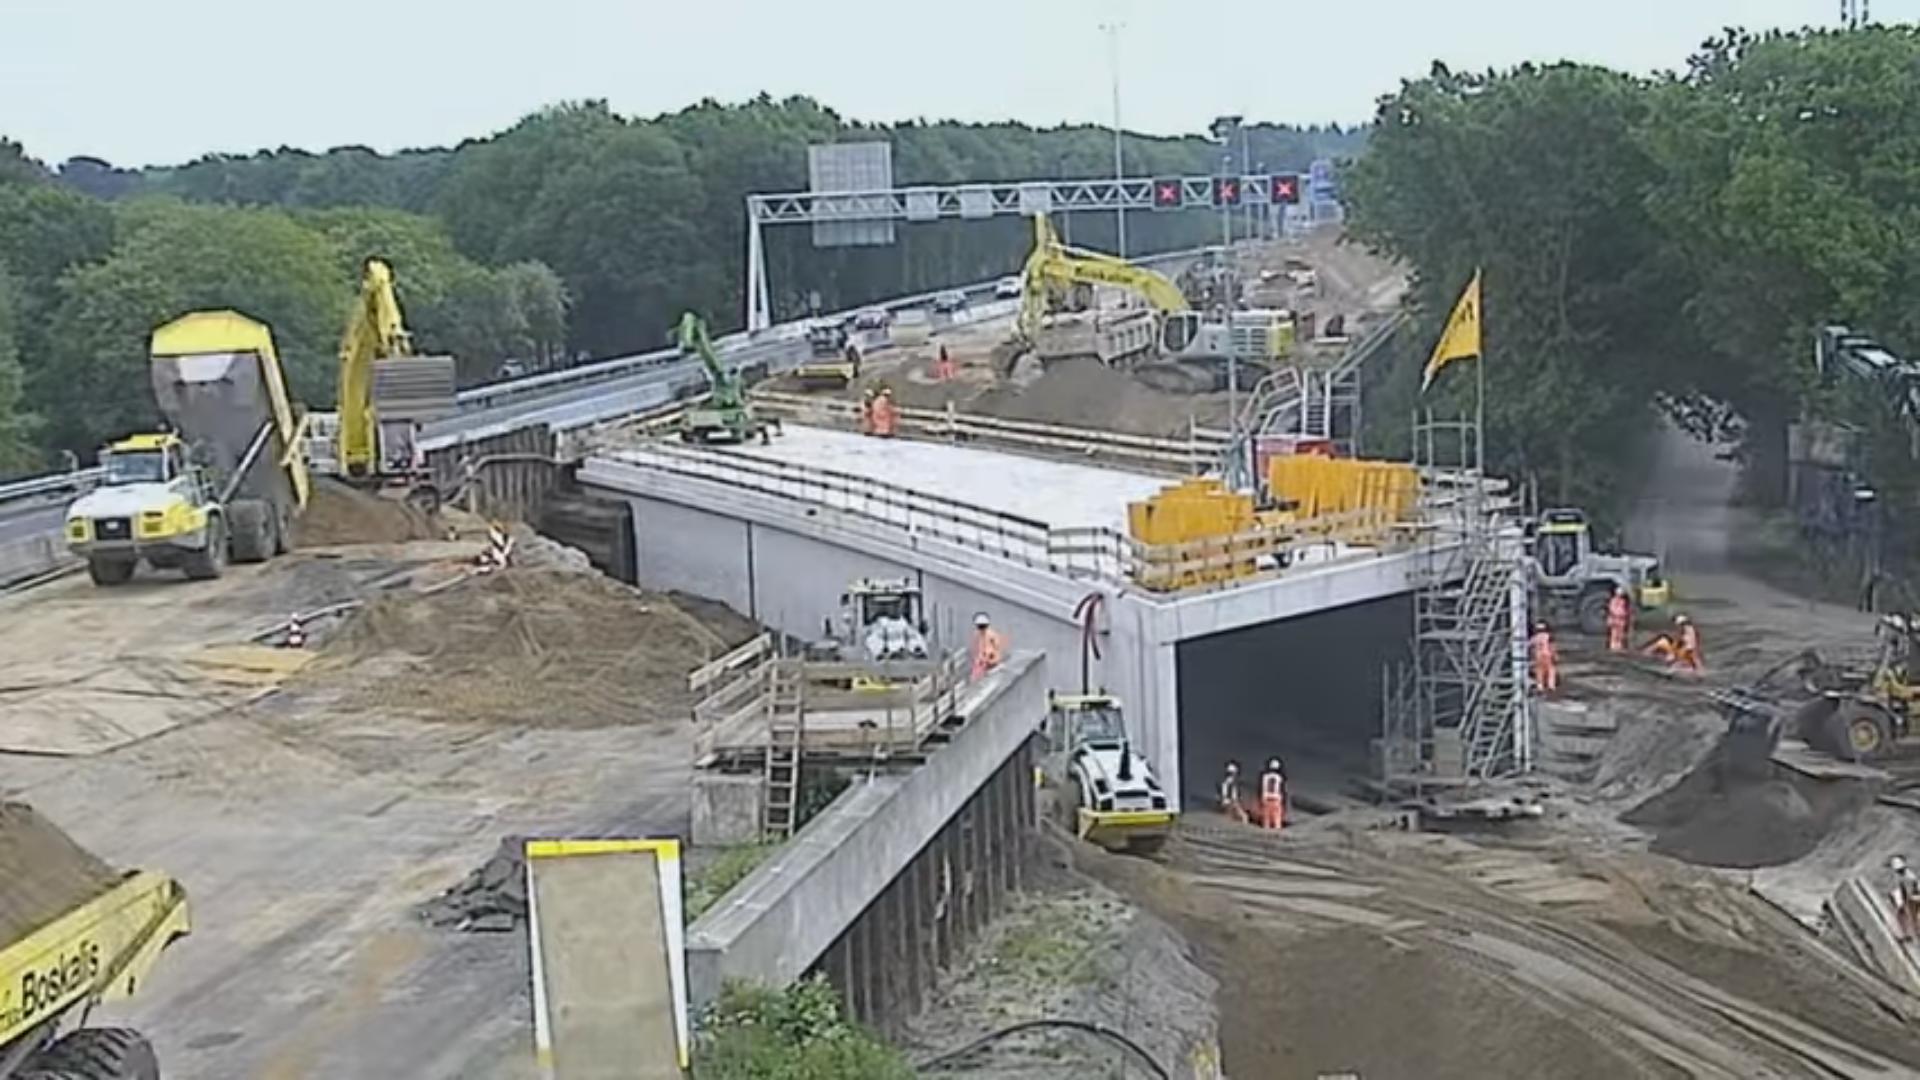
column 913, row 933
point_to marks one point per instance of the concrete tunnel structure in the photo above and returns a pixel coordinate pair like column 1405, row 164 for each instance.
column 1286, row 664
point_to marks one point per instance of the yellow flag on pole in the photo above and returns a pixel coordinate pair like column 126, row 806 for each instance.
column 1461, row 339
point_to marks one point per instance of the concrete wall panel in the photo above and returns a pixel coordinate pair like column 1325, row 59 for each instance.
column 678, row 547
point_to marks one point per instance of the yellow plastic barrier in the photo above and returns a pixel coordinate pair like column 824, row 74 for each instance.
column 1316, row 486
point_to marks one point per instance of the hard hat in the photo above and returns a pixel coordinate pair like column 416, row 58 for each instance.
column 1274, row 764
column 1540, row 626
column 980, row 619
column 1233, row 766
column 1896, row 863
column 1679, row 618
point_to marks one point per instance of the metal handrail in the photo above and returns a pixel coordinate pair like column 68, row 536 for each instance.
column 75, row 480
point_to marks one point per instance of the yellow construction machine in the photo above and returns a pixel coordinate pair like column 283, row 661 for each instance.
column 73, row 935
column 1857, row 711
column 225, row 481
column 1114, row 798
column 833, row 357
column 386, row 393
column 1056, row 278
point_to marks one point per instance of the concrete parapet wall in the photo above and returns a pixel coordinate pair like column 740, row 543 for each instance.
column 784, row 917
column 30, row 555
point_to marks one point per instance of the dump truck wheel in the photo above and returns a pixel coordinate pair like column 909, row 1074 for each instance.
column 97, row 1054
column 207, row 563
column 1593, row 612
column 1862, row 732
column 110, row 571
column 250, row 523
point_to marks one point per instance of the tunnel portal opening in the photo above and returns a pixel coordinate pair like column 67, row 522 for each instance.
column 1305, row 689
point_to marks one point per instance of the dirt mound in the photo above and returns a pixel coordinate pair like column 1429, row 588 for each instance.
column 1718, row 815
column 43, row 873
column 1086, row 393
column 549, row 648
column 339, row 514
column 728, row 627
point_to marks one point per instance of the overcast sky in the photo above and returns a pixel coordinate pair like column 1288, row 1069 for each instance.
column 157, row 81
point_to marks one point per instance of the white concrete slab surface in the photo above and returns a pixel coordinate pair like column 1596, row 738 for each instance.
column 1059, row 494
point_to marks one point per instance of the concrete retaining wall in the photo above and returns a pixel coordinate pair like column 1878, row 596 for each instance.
column 32, row 555
column 778, row 923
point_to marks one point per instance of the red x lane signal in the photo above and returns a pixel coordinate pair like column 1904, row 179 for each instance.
column 1166, row 195
column 1286, row 189
column 1226, row 191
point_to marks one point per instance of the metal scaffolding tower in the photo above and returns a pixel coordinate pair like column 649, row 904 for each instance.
column 1307, row 402
column 1458, row 715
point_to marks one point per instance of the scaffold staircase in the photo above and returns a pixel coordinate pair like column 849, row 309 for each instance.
column 1304, row 401
column 786, row 730
column 1456, row 718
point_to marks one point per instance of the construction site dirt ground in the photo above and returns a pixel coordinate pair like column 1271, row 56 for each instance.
column 1570, row 946
column 1086, row 393
column 310, row 813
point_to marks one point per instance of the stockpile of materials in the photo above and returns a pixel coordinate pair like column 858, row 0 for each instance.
column 1197, row 532
column 1361, row 492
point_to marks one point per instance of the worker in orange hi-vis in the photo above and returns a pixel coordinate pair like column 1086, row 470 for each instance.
column 1619, row 619
column 1546, row 670
column 988, row 646
column 943, row 367
column 886, row 418
column 1688, row 653
column 1273, row 796
column 866, row 411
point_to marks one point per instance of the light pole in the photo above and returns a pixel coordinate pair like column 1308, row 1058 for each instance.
column 1119, row 162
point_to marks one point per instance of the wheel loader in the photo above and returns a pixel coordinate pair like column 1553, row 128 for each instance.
column 1572, row 581
column 1855, row 711
column 882, row 621
column 73, row 934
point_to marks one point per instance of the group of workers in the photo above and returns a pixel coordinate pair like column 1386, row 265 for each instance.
column 1273, row 795
column 1679, row 647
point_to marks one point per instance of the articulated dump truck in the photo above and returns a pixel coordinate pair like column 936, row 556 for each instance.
column 74, row 933
column 226, row 479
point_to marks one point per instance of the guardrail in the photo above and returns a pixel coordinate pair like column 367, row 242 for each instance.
column 1198, row 452
column 76, row 480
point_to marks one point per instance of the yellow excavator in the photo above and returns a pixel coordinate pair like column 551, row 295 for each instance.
column 386, row 393
column 1170, row 328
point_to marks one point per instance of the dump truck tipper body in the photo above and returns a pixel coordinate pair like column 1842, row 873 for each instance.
column 73, row 932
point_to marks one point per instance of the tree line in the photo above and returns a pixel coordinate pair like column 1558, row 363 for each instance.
column 575, row 232
column 1671, row 241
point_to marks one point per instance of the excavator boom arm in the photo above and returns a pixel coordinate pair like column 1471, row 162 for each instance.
column 375, row 331
column 1054, row 263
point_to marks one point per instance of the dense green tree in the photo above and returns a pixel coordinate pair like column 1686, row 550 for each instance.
column 181, row 258
column 1536, row 177
column 19, row 451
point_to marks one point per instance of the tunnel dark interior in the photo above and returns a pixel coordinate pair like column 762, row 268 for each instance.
column 1306, row 689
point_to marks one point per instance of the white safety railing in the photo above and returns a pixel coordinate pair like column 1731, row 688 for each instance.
column 52, row 484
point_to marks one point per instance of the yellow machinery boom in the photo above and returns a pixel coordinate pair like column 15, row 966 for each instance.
column 1055, row 266
column 375, row 331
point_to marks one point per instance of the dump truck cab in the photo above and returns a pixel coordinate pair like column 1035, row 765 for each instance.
column 1118, row 803
column 1573, row 582
column 153, row 503
column 885, row 618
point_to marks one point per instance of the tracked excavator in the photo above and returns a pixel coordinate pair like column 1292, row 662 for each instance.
column 1058, row 278
column 73, row 934
column 386, row 393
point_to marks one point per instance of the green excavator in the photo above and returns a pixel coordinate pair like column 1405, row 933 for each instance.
column 726, row 415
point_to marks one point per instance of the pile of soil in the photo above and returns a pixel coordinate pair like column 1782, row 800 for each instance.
column 1083, row 392
column 339, row 514
column 43, row 873
column 549, row 648
column 729, row 628
column 1718, row 815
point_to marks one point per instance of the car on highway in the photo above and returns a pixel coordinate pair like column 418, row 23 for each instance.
column 872, row 318
column 1007, row 288
column 950, row 301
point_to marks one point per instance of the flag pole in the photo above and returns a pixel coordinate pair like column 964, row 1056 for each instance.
column 1480, row 383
